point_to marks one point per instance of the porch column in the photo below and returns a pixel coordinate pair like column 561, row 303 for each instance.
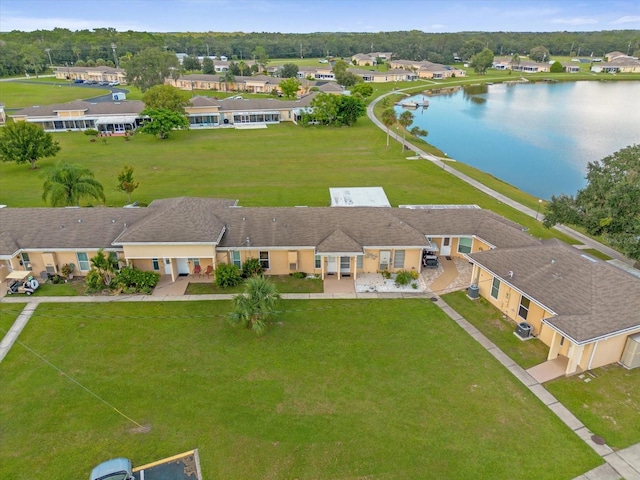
column 174, row 269
column 355, row 268
column 322, row 260
column 575, row 355
column 555, row 346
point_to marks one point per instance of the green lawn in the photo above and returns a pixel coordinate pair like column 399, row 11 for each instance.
column 609, row 404
column 70, row 289
column 261, row 167
column 283, row 283
column 498, row 328
column 335, row 389
column 8, row 314
column 21, row 94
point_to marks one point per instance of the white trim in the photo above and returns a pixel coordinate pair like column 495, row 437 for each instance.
column 593, row 353
column 594, row 339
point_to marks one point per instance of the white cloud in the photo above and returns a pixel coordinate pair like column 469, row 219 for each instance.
column 626, row 19
column 575, row 21
column 28, row 24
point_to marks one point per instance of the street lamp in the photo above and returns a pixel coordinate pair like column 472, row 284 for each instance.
column 538, row 211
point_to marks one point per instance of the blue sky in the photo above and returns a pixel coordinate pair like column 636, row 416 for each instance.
column 304, row 16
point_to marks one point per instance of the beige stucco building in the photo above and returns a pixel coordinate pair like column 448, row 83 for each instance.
column 582, row 308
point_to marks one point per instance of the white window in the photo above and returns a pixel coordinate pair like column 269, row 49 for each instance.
column 318, row 260
column 464, row 244
column 264, row 260
column 156, row 264
column 359, row 260
column 235, row 258
column 83, row 261
column 398, row 259
column 195, row 261
column 495, row 288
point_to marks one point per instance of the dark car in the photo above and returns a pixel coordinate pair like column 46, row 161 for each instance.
column 78, row 80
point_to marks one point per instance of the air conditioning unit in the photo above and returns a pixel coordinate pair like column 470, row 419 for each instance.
column 524, row 330
column 27, row 266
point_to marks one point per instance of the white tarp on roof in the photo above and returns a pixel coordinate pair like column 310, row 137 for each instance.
column 119, row 119
column 359, row 197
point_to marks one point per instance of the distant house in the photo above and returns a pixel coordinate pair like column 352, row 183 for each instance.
column 426, row 69
column 95, row 74
column 570, row 67
column 528, row 66
column 369, row 59
column 207, row 112
column 619, row 64
column 392, row 75
column 609, row 57
column 109, row 117
column 3, row 116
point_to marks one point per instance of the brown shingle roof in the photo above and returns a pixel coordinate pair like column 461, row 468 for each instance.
column 591, row 298
column 182, row 220
column 339, row 241
column 56, row 228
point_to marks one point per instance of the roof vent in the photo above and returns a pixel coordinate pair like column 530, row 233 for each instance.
column 248, row 241
column 510, row 273
column 79, row 220
column 553, row 261
column 273, row 219
column 113, row 220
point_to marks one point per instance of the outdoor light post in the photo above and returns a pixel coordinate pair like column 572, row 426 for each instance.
column 538, row 211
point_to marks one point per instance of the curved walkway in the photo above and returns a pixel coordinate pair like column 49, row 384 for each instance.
column 586, row 241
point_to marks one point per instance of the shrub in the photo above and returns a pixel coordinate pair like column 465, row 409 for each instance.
column 414, row 274
column 299, row 275
column 132, row 280
column 67, row 269
column 90, row 132
column 386, row 274
column 403, row 278
column 93, row 281
column 252, row 268
column 227, row 275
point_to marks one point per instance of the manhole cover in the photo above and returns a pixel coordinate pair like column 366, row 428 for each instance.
column 598, row 440
column 434, row 299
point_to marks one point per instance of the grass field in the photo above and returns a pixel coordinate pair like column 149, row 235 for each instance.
column 336, row 389
column 21, row 94
column 259, row 167
column 609, row 404
column 8, row 315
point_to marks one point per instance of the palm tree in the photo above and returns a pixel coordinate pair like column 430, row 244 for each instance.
column 66, row 184
column 406, row 119
column 253, row 308
column 227, row 78
column 389, row 118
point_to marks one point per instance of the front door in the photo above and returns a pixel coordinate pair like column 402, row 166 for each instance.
column 167, row 266
column 345, row 266
column 445, row 249
column 183, row 266
column 332, row 265
column 385, row 258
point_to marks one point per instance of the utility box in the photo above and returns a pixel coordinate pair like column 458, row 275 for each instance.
column 472, row 292
column 631, row 354
column 524, row 330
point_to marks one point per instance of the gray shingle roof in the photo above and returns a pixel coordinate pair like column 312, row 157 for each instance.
column 590, row 297
column 123, row 107
column 178, row 220
column 60, row 228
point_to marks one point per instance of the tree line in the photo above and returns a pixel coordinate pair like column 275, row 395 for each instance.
column 32, row 51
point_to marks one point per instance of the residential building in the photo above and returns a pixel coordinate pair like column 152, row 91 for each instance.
column 95, row 74
column 582, row 308
column 107, row 117
column 426, row 69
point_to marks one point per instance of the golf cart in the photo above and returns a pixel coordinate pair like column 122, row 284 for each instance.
column 20, row 281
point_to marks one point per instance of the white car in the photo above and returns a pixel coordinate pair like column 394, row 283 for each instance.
column 115, row 469
column 114, row 84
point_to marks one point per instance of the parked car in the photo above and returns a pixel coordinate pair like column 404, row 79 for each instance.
column 89, row 82
column 78, row 80
column 114, row 469
column 103, row 82
column 114, row 84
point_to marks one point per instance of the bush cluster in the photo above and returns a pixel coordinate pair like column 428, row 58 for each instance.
column 227, row 275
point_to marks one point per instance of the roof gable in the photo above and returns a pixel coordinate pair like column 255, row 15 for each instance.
column 339, row 241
